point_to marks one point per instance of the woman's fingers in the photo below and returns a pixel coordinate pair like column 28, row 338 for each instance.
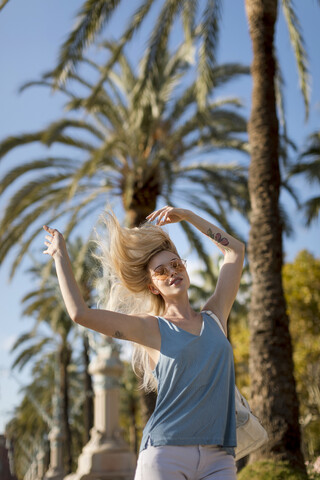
column 154, row 214
column 162, row 214
column 53, row 240
column 49, row 229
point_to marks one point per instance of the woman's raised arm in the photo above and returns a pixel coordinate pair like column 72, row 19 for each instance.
column 142, row 329
column 233, row 250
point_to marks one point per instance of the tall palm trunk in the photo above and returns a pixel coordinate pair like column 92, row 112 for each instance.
column 64, row 362
column 88, row 401
column 140, row 195
column 273, row 386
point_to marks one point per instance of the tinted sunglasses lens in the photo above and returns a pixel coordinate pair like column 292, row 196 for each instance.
column 178, row 265
column 161, row 273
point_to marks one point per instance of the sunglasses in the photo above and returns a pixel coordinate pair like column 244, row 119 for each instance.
column 163, row 271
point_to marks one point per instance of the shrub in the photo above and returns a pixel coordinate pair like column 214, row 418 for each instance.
column 271, row 470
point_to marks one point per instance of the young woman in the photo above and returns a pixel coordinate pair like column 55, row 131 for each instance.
column 184, row 354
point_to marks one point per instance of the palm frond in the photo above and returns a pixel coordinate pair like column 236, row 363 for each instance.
column 12, row 232
column 310, row 169
column 25, row 337
column 225, row 72
column 135, row 147
column 26, row 242
column 94, row 14
column 312, row 209
column 209, row 34
column 189, row 12
column 45, row 83
column 3, row 4
column 279, row 86
column 76, row 218
column 24, row 357
column 117, row 49
column 290, row 189
column 55, row 130
column 50, row 162
column 159, row 40
column 297, row 42
column 43, row 137
column 15, row 141
column 30, row 193
column 285, row 221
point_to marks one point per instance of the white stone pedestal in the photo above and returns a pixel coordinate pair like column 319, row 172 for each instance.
column 41, row 455
column 56, row 471
column 106, row 455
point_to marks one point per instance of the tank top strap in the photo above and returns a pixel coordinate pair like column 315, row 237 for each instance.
column 166, row 327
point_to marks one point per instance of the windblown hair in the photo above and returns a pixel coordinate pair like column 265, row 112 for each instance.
column 124, row 257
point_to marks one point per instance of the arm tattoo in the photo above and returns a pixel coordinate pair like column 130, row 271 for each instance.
column 219, row 239
column 119, row 335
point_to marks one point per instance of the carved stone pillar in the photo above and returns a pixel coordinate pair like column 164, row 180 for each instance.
column 41, row 457
column 56, row 437
column 106, row 455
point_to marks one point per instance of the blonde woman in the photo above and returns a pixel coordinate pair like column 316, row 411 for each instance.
column 184, row 354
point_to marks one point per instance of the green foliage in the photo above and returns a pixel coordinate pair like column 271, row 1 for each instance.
column 202, row 18
column 301, row 281
column 268, row 470
column 130, row 408
column 46, row 343
column 30, row 425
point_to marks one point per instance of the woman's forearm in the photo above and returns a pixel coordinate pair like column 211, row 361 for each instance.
column 71, row 294
column 224, row 241
column 56, row 247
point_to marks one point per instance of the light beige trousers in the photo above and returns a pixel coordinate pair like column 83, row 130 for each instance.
column 195, row 462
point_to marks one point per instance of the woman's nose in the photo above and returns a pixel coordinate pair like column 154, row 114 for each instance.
column 172, row 270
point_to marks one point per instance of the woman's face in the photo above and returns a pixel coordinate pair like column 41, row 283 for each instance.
column 168, row 274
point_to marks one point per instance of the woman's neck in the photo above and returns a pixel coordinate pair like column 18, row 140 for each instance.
column 180, row 310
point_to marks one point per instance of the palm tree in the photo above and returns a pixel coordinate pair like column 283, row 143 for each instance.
column 271, row 367
column 271, row 364
column 139, row 147
column 52, row 330
column 29, row 426
column 36, row 341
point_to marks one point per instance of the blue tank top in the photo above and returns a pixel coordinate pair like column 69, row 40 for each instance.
column 196, row 389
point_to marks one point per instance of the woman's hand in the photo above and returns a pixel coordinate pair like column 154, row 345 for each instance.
column 167, row 215
column 55, row 242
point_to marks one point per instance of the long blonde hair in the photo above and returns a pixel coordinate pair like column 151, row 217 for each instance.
column 124, row 256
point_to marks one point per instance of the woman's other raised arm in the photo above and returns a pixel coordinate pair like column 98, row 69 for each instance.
column 233, row 250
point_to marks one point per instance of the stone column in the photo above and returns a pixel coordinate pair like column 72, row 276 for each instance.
column 106, row 455
column 56, row 437
column 41, row 456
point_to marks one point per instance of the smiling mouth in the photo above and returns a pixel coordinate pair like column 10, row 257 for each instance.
column 176, row 280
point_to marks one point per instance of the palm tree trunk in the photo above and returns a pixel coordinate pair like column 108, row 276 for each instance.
column 64, row 362
column 88, row 401
column 273, row 388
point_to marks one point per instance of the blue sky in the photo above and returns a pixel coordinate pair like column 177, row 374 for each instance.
column 31, row 32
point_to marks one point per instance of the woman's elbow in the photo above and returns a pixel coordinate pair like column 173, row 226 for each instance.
column 79, row 316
